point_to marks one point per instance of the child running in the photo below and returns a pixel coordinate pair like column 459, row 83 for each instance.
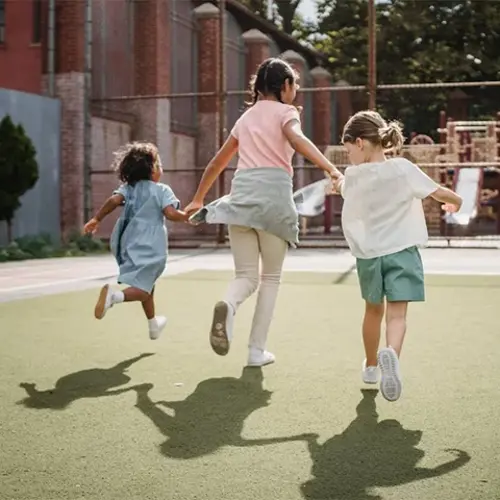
column 139, row 238
column 259, row 210
column 384, row 224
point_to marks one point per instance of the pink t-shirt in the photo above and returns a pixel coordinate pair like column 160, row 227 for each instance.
column 259, row 132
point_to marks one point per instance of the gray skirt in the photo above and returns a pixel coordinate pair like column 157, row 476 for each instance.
column 260, row 198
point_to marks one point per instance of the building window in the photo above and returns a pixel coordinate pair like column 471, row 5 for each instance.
column 2, row 21
column 37, row 22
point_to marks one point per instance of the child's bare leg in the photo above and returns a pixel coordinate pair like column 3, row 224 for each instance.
column 133, row 294
column 395, row 319
column 156, row 323
column 149, row 305
column 371, row 331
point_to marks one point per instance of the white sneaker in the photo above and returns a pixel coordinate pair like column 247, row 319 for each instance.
column 221, row 332
column 104, row 302
column 257, row 357
column 156, row 325
column 391, row 384
column 370, row 374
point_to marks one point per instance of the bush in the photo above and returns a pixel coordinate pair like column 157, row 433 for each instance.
column 18, row 169
column 86, row 243
column 14, row 252
column 41, row 247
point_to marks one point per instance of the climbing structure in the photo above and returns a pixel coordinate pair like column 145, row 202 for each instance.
column 466, row 159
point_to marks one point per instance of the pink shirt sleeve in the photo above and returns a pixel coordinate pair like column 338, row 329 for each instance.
column 235, row 129
column 290, row 113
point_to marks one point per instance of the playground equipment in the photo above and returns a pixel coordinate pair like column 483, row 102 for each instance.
column 472, row 148
column 466, row 159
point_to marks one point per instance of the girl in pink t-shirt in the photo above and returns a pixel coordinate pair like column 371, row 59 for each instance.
column 259, row 211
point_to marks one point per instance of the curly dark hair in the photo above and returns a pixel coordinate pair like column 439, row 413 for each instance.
column 136, row 162
column 270, row 78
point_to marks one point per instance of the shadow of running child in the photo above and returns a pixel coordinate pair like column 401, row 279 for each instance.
column 368, row 454
column 92, row 383
column 211, row 417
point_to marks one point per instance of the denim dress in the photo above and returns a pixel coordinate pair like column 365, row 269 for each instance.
column 139, row 241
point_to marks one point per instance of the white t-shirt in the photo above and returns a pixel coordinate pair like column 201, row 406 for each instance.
column 383, row 211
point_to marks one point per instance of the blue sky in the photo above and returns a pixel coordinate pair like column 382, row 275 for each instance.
column 308, row 9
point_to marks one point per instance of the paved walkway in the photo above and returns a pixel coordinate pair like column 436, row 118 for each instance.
column 20, row 280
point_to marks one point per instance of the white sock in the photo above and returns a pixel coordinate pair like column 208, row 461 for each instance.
column 152, row 323
column 117, row 297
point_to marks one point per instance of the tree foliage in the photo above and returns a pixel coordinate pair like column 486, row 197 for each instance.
column 417, row 41
column 18, row 168
column 285, row 13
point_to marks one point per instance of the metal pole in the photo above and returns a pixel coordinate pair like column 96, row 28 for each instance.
column 372, row 54
column 51, row 48
column 221, row 235
column 87, row 115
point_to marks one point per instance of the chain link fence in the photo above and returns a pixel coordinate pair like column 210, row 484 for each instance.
column 451, row 134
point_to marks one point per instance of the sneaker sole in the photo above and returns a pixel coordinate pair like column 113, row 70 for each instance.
column 99, row 310
column 258, row 365
column 218, row 334
column 390, row 384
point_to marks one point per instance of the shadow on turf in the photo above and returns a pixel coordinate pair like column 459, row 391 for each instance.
column 345, row 275
column 93, row 383
column 369, row 454
column 211, row 417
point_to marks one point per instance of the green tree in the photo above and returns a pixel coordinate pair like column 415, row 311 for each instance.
column 18, row 169
column 258, row 7
column 341, row 33
column 417, row 41
column 285, row 13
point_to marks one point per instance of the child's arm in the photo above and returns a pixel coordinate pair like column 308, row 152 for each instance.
column 305, row 147
column 452, row 201
column 219, row 162
column 171, row 213
column 423, row 186
column 110, row 204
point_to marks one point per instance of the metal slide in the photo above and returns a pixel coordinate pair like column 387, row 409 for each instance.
column 310, row 200
column 468, row 183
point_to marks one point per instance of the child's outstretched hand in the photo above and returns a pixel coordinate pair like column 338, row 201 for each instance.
column 450, row 208
column 91, row 227
column 193, row 207
column 335, row 186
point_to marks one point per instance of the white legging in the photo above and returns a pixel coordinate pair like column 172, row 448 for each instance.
column 247, row 246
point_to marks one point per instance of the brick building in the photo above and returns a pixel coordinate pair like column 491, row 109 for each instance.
column 140, row 48
column 20, row 45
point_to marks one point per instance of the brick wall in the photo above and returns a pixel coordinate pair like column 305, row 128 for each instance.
column 112, row 48
column 180, row 174
column 145, row 71
column 70, row 24
column 20, row 59
column 208, row 64
column 69, row 88
column 107, row 137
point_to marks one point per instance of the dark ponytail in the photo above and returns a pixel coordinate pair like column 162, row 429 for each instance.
column 270, row 79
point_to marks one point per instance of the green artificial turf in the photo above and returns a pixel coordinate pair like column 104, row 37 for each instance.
column 113, row 415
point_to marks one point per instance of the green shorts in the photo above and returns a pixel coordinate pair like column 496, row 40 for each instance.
column 398, row 276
